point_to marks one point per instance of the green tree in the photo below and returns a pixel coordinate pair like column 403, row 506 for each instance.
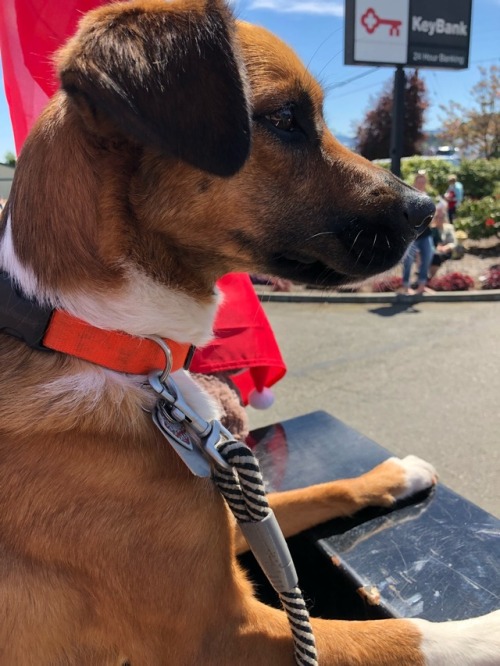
column 373, row 135
column 476, row 130
column 9, row 159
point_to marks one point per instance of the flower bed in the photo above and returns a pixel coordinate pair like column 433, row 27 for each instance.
column 452, row 282
column 492, row 278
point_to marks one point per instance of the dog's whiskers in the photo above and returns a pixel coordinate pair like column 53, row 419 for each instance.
column 335, row 55
column 324, row 277
column 355, row 240
column 358, row 257
column 372, row 253
column 371, row 259
column 320, row 233
column 328, row 37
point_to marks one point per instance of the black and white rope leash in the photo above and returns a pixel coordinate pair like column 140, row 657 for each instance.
column 208, row 449
column 243, row 490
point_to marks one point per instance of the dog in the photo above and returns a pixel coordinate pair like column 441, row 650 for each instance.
column 182, row 145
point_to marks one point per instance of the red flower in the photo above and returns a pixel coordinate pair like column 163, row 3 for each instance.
column 492, row 279
column 490, row 222
column 452, row 282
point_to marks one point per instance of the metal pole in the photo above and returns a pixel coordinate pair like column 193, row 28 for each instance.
column 398, row 111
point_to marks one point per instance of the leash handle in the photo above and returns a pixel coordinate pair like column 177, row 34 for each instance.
column 207, row 448
column 271, row 551
column 243, row 490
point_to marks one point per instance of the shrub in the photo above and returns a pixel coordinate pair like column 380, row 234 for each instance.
column 438, row 172
column 479, row 218
column 452, row 282
column 492, row 278
column 479, row 177
column 389, row 283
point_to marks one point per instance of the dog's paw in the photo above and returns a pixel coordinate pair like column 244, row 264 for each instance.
column 394, row 479
column 474, row 642
column 417, row 475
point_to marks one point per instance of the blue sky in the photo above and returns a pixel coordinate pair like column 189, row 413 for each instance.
column 315, row 29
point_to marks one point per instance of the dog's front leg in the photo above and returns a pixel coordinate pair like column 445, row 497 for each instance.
column 394, row 479
column 264, row 638
column 474, row 642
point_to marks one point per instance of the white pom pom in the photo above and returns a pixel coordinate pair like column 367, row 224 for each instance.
column 261, row 399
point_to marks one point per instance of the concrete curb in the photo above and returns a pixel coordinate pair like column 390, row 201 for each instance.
column 318, row 296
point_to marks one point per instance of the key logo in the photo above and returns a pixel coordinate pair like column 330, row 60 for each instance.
column 371, row 21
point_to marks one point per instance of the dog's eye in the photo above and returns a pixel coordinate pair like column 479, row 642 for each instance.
column 283, row 119
column 283, row 122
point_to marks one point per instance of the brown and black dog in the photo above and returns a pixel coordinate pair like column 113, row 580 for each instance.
column 181, row 146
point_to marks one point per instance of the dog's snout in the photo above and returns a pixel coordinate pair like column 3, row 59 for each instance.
column 419, row 210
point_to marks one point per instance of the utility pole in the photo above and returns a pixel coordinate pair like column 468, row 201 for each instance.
column 397, row 129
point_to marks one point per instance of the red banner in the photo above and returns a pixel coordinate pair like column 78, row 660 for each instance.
column 30, row 32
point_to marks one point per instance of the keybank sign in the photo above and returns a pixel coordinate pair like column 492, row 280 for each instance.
column 418, row 33
column 439, row 27
column 439, row 33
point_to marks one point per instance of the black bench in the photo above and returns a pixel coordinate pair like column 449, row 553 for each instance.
column 436, row 556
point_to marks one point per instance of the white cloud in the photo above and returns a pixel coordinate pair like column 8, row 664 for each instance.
column 323, row 7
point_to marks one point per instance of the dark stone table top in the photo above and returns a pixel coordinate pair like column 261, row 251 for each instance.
column 436, row 556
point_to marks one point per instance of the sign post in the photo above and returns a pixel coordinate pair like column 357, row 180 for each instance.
column 398, row 113
column 414, row 33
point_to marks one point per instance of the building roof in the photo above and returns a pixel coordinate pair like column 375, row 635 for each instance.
column 6, row 176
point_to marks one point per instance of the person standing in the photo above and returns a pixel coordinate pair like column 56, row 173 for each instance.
column 423, row 245
column 443, row 237
column 454, row 196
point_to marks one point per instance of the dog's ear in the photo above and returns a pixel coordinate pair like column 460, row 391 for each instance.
column 166, row 74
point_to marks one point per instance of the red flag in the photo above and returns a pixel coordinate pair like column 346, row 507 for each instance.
column 30, row 33
column 244, row 342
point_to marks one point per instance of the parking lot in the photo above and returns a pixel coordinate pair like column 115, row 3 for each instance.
column 422, row 379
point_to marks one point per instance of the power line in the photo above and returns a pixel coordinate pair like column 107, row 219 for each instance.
column 353, row 78
column 353, row 92
column 476, row 62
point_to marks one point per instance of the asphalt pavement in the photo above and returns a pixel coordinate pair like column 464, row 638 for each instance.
column 421, row 378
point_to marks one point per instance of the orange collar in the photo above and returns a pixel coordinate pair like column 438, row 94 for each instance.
column 111, row 349
column 42, row 328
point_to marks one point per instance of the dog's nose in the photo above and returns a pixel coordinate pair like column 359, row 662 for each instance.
column 419, row 210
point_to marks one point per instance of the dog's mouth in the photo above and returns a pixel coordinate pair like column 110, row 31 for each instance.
column 339, row 249
column 307, row 270
column 345, row 265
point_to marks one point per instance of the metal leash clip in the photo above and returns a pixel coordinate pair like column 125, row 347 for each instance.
column 194, row 439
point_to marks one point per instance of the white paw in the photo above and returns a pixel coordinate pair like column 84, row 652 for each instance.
column 474, row 642
column 419, row 475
